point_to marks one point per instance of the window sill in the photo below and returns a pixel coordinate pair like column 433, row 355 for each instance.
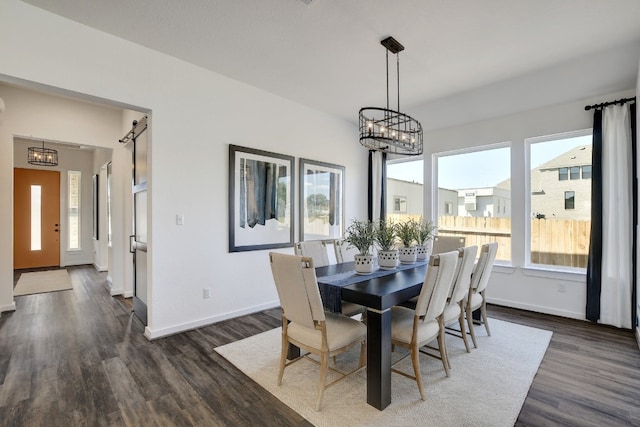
column 573, row 275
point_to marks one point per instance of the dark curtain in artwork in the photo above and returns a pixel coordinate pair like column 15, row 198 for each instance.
column 594, row 265
column 334, row 198
column 258, row 192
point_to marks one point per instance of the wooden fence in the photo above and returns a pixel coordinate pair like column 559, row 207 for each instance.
column 561, row 242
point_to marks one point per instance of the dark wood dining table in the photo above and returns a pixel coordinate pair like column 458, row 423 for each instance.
column 378, row 292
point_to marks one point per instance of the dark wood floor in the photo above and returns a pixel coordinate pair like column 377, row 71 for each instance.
column 79, row 358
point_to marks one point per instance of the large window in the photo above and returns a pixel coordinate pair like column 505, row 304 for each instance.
column 560, row 200
column 474, row 196
column 74, row 209
column 404, row 189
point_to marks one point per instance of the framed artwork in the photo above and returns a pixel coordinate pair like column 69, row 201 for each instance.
column 95, row 206
column 321, row 200
column 260, row 199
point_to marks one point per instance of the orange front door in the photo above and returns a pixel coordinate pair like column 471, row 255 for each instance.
column 36, row 218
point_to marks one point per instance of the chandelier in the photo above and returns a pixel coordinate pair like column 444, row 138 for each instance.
column 42, row 156
column 387, row 130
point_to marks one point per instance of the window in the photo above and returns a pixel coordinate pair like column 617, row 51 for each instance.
column 399, row 204
column 563, row 174
column 479, row 183
column 74, row 209
column 569, row 200
column 448, row 208
column 559, row 205
column 404, row 189
column 36, row 217
column 575, row 172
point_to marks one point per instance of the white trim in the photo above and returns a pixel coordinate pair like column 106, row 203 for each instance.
column 572, row 276
column 159, row 333
column 10, row 307
column 537, row 308
column 638, row 336
column 100, row 268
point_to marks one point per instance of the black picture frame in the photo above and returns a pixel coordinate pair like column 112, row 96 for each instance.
column 261, row 189
column 96, row 180
column 321, row 200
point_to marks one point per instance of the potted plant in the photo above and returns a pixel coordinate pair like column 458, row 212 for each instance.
column 426, row 230
column 361, row 235
column 386, row 240
column 408, row 234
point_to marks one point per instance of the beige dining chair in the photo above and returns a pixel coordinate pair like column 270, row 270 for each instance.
column 479, row 281
column 447, row 243
column 306, row 325
column 455, row 308
column 344, row 253
column 414, row 329
column 315, row 249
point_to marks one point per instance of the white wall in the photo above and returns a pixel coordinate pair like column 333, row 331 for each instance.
column 518, row 286
column 196, row 115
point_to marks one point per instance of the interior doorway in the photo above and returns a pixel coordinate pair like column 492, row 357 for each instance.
column 36, row 213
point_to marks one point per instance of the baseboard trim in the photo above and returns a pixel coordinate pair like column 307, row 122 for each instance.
column 537, row 309
column 152, row 334
column 638, row 336
column 100, row 268
column 10, row 307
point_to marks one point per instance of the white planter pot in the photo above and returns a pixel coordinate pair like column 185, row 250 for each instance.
column 388, row 260
column 407, row 255
column 424, row 251
column 364, row 264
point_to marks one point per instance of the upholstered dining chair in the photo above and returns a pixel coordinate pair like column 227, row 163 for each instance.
column 315, row 249
column 344, row 253
column 455, row 308
column 413, row 329
column 447, row 243
column 479, row 281
column 306, row 324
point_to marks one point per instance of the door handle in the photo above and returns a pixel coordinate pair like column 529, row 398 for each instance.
column 132, row 243
column 56, row 230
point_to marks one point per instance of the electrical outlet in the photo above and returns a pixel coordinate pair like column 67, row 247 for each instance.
column 206, row 293
column 562, row 288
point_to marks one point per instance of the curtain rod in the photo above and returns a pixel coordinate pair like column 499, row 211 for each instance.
column 605, row 104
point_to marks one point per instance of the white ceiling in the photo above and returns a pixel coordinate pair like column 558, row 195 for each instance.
column 327, row 55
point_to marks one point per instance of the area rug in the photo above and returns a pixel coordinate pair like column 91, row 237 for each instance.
column 39, row 282
column 487, row 387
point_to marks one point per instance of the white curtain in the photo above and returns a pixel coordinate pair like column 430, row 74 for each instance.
column 377, row 165
column 617, row 217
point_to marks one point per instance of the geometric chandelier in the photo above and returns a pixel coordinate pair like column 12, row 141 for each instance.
column 42, row 156
column 391, row 131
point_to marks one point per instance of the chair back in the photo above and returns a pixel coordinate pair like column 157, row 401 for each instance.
column 462, row 281
column 297, row 286
column 315, row 249
column 437, row 285
column 343, row 252
column 480, row 277
column 447, row 243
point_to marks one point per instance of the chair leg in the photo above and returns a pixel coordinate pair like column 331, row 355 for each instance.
column 324, row 365
column 443, row 352
column 483, row 310
column 363, row 354
column 283, row 358
column 415, row 358
column 463, row 331
column 470, row 324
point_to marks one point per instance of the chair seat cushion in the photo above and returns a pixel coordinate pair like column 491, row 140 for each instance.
column 451, row 313
column 402, row 327
column 476, row 301
column 351, row 309
column 341, row 331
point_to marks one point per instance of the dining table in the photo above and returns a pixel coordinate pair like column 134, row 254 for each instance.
column 378, row 292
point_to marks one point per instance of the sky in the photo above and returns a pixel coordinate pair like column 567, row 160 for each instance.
column 482, row 168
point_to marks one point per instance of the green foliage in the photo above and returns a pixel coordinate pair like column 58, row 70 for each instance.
column 408, row 232
column 361, row 235
column 426, row 230
column 385, row 234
